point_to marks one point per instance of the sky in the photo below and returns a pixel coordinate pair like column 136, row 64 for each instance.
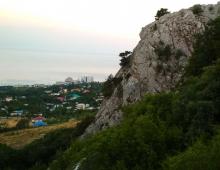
column 45, row 41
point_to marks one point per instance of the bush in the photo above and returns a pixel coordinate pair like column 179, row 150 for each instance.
column 197, row 9
column 206, row 49
column 155, row 27
column 109, row 85
column 179, row 53
column 125, row 58
column 159, row 68
column 163, row 52
column 211, row 8
column 161, row 13
column 201, row 156
column 22, row 124
column 38, row 154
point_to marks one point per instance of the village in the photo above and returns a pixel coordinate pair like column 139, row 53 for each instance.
column 48, row 104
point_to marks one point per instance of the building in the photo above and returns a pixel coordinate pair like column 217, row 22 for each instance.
column 39, row 121
column 8, row 99
column 73, row 96
column 80, row 106
column 39, row 85
column 87, row 79
column 69, row 80
column 60, row 83
column 61, row 98
column 17, row 113
column 69, row 107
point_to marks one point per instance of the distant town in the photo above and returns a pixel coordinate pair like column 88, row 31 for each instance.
column 45, row 104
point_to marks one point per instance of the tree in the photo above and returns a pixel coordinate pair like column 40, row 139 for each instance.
column 23, row 123
column 125, row 58
column 197, row 9
column 108, row 86
column 161, row 13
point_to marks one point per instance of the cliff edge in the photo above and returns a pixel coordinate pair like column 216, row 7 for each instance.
column 157, row 63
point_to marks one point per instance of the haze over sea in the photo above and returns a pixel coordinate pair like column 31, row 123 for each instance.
column 47, row 67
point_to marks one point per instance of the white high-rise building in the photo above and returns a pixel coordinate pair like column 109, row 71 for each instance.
column 87, row 79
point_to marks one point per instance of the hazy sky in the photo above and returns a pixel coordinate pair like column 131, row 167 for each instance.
column 47, row 40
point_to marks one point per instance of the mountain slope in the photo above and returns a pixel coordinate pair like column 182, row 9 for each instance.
column 163, row 131
column 158, row 61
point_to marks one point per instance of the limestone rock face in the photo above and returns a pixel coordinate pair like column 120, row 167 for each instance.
column 157, row 63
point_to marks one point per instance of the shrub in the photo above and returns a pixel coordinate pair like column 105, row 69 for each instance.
column 159, row 68
column 155, row 27
column 23, row 123
column 201, row 156
column 110, row 84
column 197, row 9
column 205, row 53
column 40, row 152
column 179, row 53
column 211, row 8
column 161, row 13
column 164, row 52
column 125, row 58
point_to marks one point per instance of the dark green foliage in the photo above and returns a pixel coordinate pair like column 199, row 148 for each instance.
column 207, row 49
column 197, row 9
column 125, row 58
column 160, row 125
column 155, row 27
column 6, row 154
column 39, row 153
column 140, row 142
column 211, row 8
column 110, row 84
column 159, row 68
column 163, row 52
column 35, row 100
column 23, row 123
column 201, row 156
column 161, row 13
column 179, row 53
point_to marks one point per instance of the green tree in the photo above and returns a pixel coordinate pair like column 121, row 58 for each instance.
column 125, row 58
column 161, row 13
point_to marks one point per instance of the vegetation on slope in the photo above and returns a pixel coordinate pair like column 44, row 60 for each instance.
column 17, row 139
column 42, row 151
column 163, row 131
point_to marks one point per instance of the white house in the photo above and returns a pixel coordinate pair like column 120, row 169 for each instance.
column 80, row 106
column 8, row 99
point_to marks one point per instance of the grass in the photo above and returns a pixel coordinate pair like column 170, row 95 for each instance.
column 10, row 122
column 19, row 138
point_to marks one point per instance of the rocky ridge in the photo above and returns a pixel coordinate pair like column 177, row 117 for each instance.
column 157, row 63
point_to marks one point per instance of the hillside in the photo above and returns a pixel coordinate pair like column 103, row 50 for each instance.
column 19, row 138
column 38, row 154
column 172, row 130
column 157, row 62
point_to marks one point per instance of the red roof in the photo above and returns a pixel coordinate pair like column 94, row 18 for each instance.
column 61, row 99
column 39, row 118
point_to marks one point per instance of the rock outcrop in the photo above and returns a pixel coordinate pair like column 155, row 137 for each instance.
column 157, row 63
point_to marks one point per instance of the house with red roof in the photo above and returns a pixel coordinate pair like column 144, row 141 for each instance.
column 39, row 121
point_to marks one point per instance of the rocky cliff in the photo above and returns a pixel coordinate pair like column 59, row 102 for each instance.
column 157, row 63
